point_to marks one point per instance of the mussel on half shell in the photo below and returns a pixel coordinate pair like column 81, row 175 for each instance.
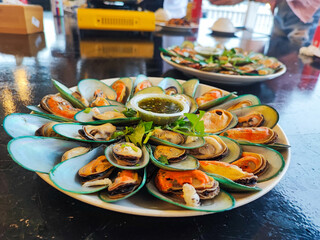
column 126, row 153
column 125, row 182
column 229, row 171
column 73, row 152
column 251, row 120
column 213, row 149
column 169, row 136
column 108, row 115
column 172, row 154
column 46, row 130
column 172, row 182
column 216, row 120
column 55, row 104
column 260, row 135
column 95, row 170
column 252, row 163
column 97, row 133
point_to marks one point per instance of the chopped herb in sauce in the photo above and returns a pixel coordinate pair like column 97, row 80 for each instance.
column 160, row 105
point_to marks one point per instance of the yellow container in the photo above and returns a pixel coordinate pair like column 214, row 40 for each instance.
column 116, row 20
column 116, row 49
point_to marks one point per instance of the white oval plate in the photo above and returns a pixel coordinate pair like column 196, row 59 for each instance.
column 176, row 28
column 224, row 78
column 145, row 204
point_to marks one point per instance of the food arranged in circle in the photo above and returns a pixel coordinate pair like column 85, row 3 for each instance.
column 219, row 60
column 189, row 145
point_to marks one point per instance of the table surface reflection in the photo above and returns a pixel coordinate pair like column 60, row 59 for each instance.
column 31, row 209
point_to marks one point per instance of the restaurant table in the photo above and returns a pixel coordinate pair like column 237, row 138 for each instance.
column 32, row 209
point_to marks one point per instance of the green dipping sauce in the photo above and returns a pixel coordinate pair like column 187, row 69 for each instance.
column 160, row 105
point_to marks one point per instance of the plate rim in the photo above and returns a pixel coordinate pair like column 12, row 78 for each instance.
column 95, row 201
column 176, row 27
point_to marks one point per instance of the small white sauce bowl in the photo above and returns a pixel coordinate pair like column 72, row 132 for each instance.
column 158, row 118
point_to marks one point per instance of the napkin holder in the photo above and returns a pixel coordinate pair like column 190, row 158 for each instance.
column 21, row 19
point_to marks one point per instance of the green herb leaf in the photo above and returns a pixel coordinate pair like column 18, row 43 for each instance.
column 137, row 135
column 127, row 145
column 163, row 159
column 147, row 137
column 87, row 110
column 147, row 126
column 129, row 112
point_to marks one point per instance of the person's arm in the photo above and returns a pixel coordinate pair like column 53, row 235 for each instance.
column 304, row 9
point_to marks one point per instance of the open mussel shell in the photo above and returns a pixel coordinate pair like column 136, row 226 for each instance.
column 128, row 90
column 65, row 174
column 195, row 144
column 39, row 154
column 232, row 186
column 87, row 116
column 115, row 103
column 66, row 93
column 219, row 129
column 189, row 100
column 144, row 160
column 234, row 150
column 171, row 86
column 222, row 202
column 44, row 113
column 217, row 101
column 241, row 101
column 190, row 87
column 270, row 115
column 71, row 131
column 87, row 87
column 190, row 163
column 22, row 124
column 274, row 158
column 104, row 196
column 155, row 89
column 141, row 82
column 231, row 177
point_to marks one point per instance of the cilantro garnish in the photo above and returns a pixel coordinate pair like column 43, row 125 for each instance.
column 137, row 136
column 193, row 127
column 124, row 132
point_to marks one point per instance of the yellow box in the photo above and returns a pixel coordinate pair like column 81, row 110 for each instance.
column 21, row 19
column 116, row 20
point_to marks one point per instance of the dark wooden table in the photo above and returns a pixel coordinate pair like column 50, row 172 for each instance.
column 31, row 209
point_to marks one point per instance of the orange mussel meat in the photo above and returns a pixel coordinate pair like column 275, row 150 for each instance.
column 120, row 89
column 262, row 135
column 58, row 106
column 251, row 120
column 167, row 181
column 209, row 96
column 142, row 85
column 216, row 120
column 242, row 104
column 252, row 163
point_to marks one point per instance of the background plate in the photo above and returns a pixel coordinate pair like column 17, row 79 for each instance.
column 145, row 204
column 224, row 78
column 177, row 28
